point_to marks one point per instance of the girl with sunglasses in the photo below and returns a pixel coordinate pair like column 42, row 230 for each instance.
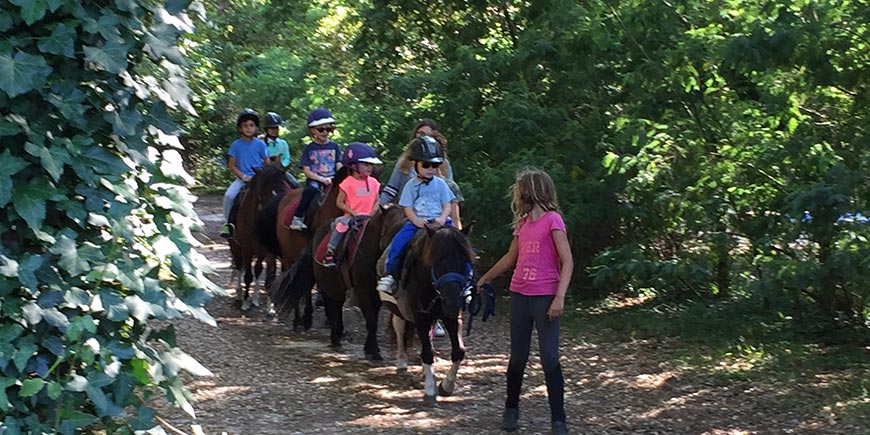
column 319, row 162
column 426, row 199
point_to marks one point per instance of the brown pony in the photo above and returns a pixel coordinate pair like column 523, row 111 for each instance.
column 292, row 244
column 266, row 183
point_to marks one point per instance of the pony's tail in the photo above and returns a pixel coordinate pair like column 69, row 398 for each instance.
column 264, row 231
column 292, row 285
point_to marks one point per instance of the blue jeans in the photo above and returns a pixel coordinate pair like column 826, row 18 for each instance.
column 230, row 197
column 528, row 312
column 405, row 234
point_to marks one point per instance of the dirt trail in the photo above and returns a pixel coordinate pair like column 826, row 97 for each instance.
column 270, row 380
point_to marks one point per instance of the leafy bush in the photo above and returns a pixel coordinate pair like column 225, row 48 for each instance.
column 96, row 220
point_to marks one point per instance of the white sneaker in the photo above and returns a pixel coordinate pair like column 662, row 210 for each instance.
column 298, row 224
column 439, row 329
column 387, row 284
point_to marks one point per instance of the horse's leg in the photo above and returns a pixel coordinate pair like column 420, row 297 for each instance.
column 249, row 277
column 258, row 272
column 453, row 327
column 401, row 350
column 271, row 273
column 308, row 316
column 370, row 305
column 428, row 358
column 336, row 323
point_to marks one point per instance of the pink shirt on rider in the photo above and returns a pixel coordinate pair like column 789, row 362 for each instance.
column 360, row 195
column 537, row 268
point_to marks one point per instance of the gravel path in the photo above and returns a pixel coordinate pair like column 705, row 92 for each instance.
column 270, row 380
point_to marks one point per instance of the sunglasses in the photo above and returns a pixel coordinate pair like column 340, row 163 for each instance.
column 427, row 165
column 325, row 129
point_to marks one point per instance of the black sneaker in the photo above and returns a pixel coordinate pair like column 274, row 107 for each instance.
column 329, row 259
column 510, row 421
column 227, row 231
column 559, row 428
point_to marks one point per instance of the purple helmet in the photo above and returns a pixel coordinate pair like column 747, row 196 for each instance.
column 320, row 116
column 359, row 152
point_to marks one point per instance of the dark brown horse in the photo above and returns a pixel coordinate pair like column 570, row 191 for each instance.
column 437, row 278
column 359, row 275
column 291, row 245
column 267, row 183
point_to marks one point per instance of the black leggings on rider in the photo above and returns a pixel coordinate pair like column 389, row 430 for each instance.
column 526, row 312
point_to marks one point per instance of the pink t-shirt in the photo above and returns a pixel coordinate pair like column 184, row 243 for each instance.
column 537, row 269
column 361, row 195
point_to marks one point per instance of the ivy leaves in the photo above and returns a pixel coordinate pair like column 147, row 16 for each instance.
column 80, row 275
column 22, row 72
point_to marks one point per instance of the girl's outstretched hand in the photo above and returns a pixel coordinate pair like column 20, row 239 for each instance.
column 557, row 307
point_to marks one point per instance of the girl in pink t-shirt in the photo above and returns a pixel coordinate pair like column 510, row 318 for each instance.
column 542, row 263
column 357, row 194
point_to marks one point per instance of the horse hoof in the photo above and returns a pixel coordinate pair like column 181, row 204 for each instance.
column 429, row 400
column 374, row 357
column 298, row 328
column 442, row 392
column 336, row 347
column 255, row 302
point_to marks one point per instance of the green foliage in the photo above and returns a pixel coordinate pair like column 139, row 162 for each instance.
column 687, row 141
column 96, row 220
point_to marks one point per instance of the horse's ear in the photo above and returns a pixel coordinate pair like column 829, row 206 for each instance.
column 429, row 230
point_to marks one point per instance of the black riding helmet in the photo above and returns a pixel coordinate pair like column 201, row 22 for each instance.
column 272, row 119
column 426, row 149
column 246, row 115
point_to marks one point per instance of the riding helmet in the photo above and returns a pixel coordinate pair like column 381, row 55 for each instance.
column 425, row 149
column 319, row 117
column 359, row 152
column 248, row 115
column 272, row 119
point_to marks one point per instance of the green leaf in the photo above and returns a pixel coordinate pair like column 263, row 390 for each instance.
column 54, row 5
column 4, row 384
column 10, row 165
column 69, row 258
column 53, row 159
column 31, row 10
column 29, row 201
column 22, row 73
column 27, row 269
column 23, row 354
column 112, row 57
column 53, row 389
column 126, row 123
column 8, row 129
column 73, row 420
column 60, row 42
column 31, row 386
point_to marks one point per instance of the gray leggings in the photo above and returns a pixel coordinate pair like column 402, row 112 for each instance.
column 526, row 312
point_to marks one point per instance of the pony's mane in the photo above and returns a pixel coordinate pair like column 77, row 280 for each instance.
column 447, row 242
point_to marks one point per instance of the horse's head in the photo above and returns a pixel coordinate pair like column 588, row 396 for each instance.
column 267, row 182
column 447, row 253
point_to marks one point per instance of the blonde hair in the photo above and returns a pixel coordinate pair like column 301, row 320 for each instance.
column 405, row 163
column 532, row 187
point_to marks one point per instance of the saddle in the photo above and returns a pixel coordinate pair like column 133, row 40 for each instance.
column 398, row 303
column 315, row 205
column 347, row 248
column 237, row 203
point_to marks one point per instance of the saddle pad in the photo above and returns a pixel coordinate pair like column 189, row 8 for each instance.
column 347, row 248
column 288, row 216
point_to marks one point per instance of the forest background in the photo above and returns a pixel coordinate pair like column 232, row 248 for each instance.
column 711, row 160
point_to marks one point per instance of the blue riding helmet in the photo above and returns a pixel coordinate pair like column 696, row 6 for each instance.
column 360, row 152
column 319, row 117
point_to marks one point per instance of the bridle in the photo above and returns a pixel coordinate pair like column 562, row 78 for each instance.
column 439, row 281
